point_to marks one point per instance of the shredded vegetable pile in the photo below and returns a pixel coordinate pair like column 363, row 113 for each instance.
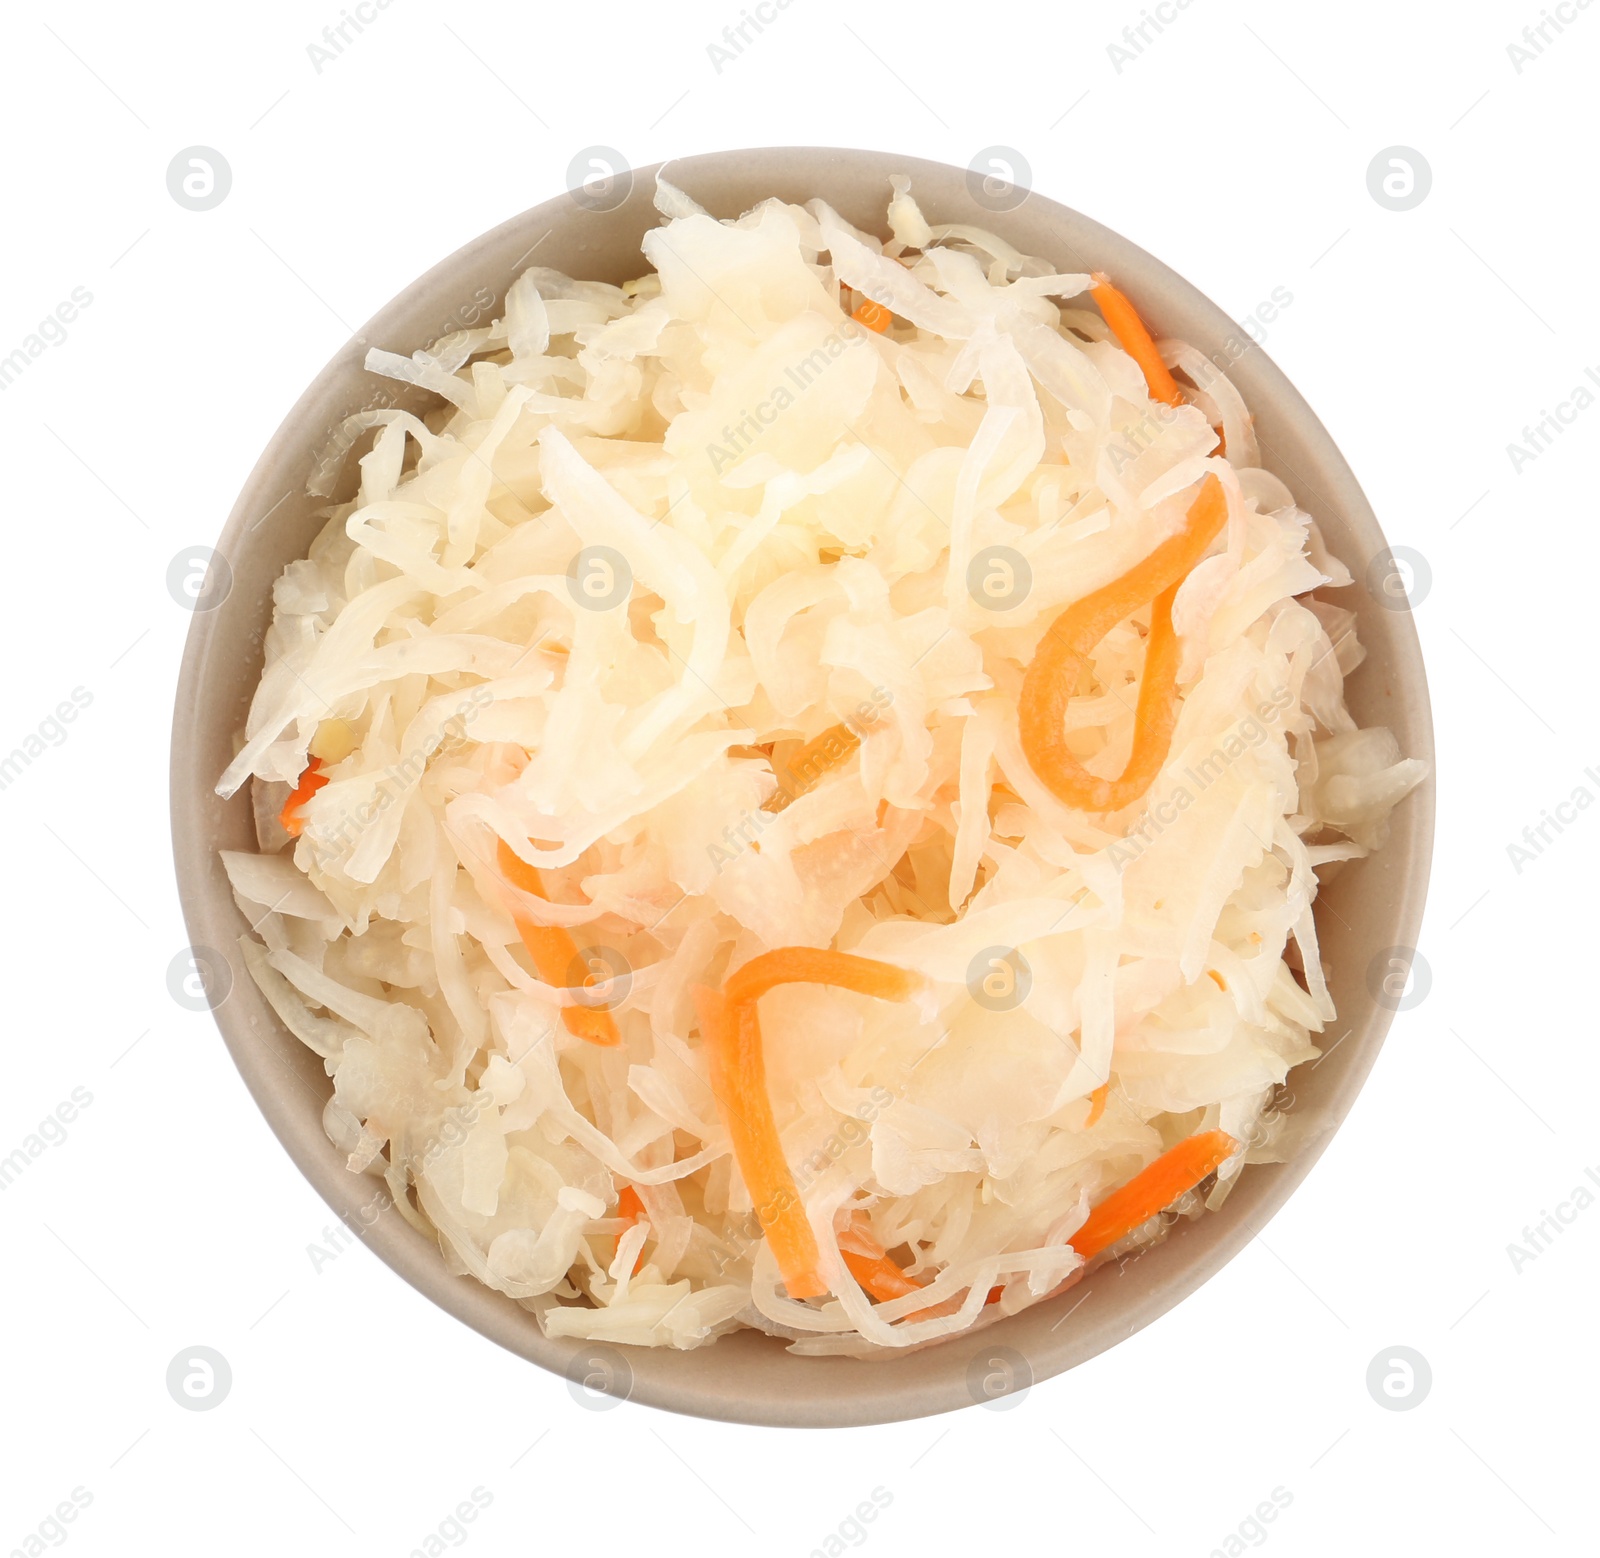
column 794, row 797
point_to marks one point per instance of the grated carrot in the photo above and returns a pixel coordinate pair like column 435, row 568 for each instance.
column 1061, row 663
column 731, row 1032
column 1151, row 1190
column 818, row 966
column 1097, row 1104
column 553, row 951
column 731, row 1035
column 1134, row 339
column 879, row 1276
column 811, row 762
column 310, row 781
column 873, row 315
column 630, row 1209
column 870, row 1265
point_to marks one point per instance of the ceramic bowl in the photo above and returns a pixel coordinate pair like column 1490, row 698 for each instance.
column 1370, row 908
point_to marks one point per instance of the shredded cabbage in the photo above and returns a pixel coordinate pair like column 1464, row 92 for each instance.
column 653, row 540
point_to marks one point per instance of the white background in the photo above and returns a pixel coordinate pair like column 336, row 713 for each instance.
column 1235, row 146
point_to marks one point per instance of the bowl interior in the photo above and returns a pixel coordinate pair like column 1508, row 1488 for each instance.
column 1372, row 905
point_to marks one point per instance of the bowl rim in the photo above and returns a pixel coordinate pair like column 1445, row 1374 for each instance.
column 746, row 1377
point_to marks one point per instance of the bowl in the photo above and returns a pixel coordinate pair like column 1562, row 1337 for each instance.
column 1368, row 915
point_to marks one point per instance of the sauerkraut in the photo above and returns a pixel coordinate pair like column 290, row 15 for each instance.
column 692, row 625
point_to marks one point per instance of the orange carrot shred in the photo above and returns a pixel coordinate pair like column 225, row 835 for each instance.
column 1097, row 1104
column 310, row 781
column 870, row 1265
column 873, row 315
column 880, row 1276
column 1061, row 663
column 818, row 966
column 553, row 951
column 517, row 871
column 1134, row 339
column 1154, row 1188
column 630, row 1209
column 731, row 1035
column 811, row 762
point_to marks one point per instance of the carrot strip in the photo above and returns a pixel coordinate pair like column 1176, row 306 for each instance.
column 818, row 966
column 873, row 315
column 517, row 871
column 310, row 781
column 553, row 951
column 731, row 1033
column 870, row 1265
column 1097, row 1104
column 1155, row 1187
column 630, row 1209
column 811, row 762
column 1061, row 663
column 880, row 1276
column 1134, row 339
column 732, row 1038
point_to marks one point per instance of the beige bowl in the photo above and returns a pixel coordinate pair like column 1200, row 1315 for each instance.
column 1368, row 913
